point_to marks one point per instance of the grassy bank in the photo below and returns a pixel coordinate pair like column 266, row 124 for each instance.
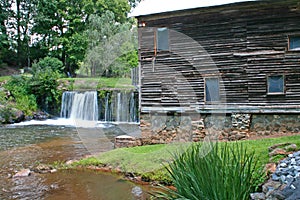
column 4, row 78
column 98, row 83
column 149, row 161
column 91, row 83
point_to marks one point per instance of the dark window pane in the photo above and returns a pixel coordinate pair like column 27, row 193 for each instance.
column 162, row 39
column 295, row 42
column 276, row 84
column 212, row 89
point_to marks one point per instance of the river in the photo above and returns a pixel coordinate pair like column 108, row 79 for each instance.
column 27, row 146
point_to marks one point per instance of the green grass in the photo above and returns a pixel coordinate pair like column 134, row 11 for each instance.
column 226, row 171
column 142, row 159
column 261, row 146
column 99, row 83
column 4, row 78
column 92, row 83
column 150, row 161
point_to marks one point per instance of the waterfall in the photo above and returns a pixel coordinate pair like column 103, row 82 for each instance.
column 133, row 106
column 120, row 108
column 83, row 106
column 66, row 106
column 110, row 106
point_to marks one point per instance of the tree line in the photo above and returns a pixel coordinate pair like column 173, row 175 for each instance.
column 90, row 37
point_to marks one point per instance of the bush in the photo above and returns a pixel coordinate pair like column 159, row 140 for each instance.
column 48, row 63
column 225, row 172
column 43, row 85
column 18, row 87
column 29, row 92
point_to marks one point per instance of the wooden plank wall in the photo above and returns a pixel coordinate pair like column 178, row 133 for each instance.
column 242, row 44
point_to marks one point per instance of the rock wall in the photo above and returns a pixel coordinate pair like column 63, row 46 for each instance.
column 177, row 127
column 264, row 124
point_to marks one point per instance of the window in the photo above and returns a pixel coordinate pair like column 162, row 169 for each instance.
column 294, row 42
column 276, row 84
column 162, row 39
column 212, row 89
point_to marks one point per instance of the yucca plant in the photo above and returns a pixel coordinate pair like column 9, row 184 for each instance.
column 217, row 172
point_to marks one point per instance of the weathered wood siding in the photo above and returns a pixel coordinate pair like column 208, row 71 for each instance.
column 240, row 43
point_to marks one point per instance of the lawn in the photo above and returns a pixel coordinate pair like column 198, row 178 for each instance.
column 99, row 83
column 150, row 160
column 4, row 78
column 92, row 83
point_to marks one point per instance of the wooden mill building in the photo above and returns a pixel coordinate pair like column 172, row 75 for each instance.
column 231, row 65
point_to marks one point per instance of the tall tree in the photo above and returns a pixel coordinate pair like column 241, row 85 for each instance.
column 108, row 42
column 21, row 23
column 5, row 12
column 61, row 25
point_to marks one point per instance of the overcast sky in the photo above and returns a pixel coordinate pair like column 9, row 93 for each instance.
column 157, row 6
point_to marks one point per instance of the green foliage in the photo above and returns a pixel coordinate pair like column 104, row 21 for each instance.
column 92, row 161
column 18, row 86
column 112, row 47
column 48, row 64
column 39, row 89
column 44, row 82
column 54, row 28
column 216, row 171
column 98, row 83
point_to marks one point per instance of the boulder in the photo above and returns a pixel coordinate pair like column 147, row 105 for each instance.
column 22, row 173
column 10, row 115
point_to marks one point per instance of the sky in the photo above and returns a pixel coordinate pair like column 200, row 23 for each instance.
column 157, row 6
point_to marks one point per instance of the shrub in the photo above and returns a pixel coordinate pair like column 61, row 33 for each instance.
column 48, row 63
column 225, row 172
column 44, row 83
column 18, row 86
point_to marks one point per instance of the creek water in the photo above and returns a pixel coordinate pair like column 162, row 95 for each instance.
column 26, row 146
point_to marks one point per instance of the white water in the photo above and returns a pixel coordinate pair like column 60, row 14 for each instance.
column 115, row 106
column 63, row 122
column 82, row 106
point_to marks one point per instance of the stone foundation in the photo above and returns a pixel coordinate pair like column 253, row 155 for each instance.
column 177, row 127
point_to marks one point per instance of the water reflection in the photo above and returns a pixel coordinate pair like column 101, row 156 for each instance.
column 24, row 147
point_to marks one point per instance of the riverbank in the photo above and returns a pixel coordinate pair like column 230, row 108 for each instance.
column 147, row 163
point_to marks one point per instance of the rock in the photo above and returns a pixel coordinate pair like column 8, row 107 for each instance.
column 10, row 115
column 275, row 177
column 126, row 141
column 275, row 146
column 54, row 187
column 137, row 191
column 270, row 186
column 292, row 192
column 70, row 162
column 277, row 195
column 283, row 165
column 42, row 169
column 270, row 168
column 291, row 147
column 22, row 173
column 277, row 151
column 257, row 196
column 285, row 181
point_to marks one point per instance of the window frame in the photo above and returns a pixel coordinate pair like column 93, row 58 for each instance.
column 205, row 90
column 156, row 40
column 290, row 37
column 283, row 85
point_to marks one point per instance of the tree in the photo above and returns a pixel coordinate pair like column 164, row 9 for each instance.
column 61, row 25
column 5, row 12
column 108, row 40
column 20, row 24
